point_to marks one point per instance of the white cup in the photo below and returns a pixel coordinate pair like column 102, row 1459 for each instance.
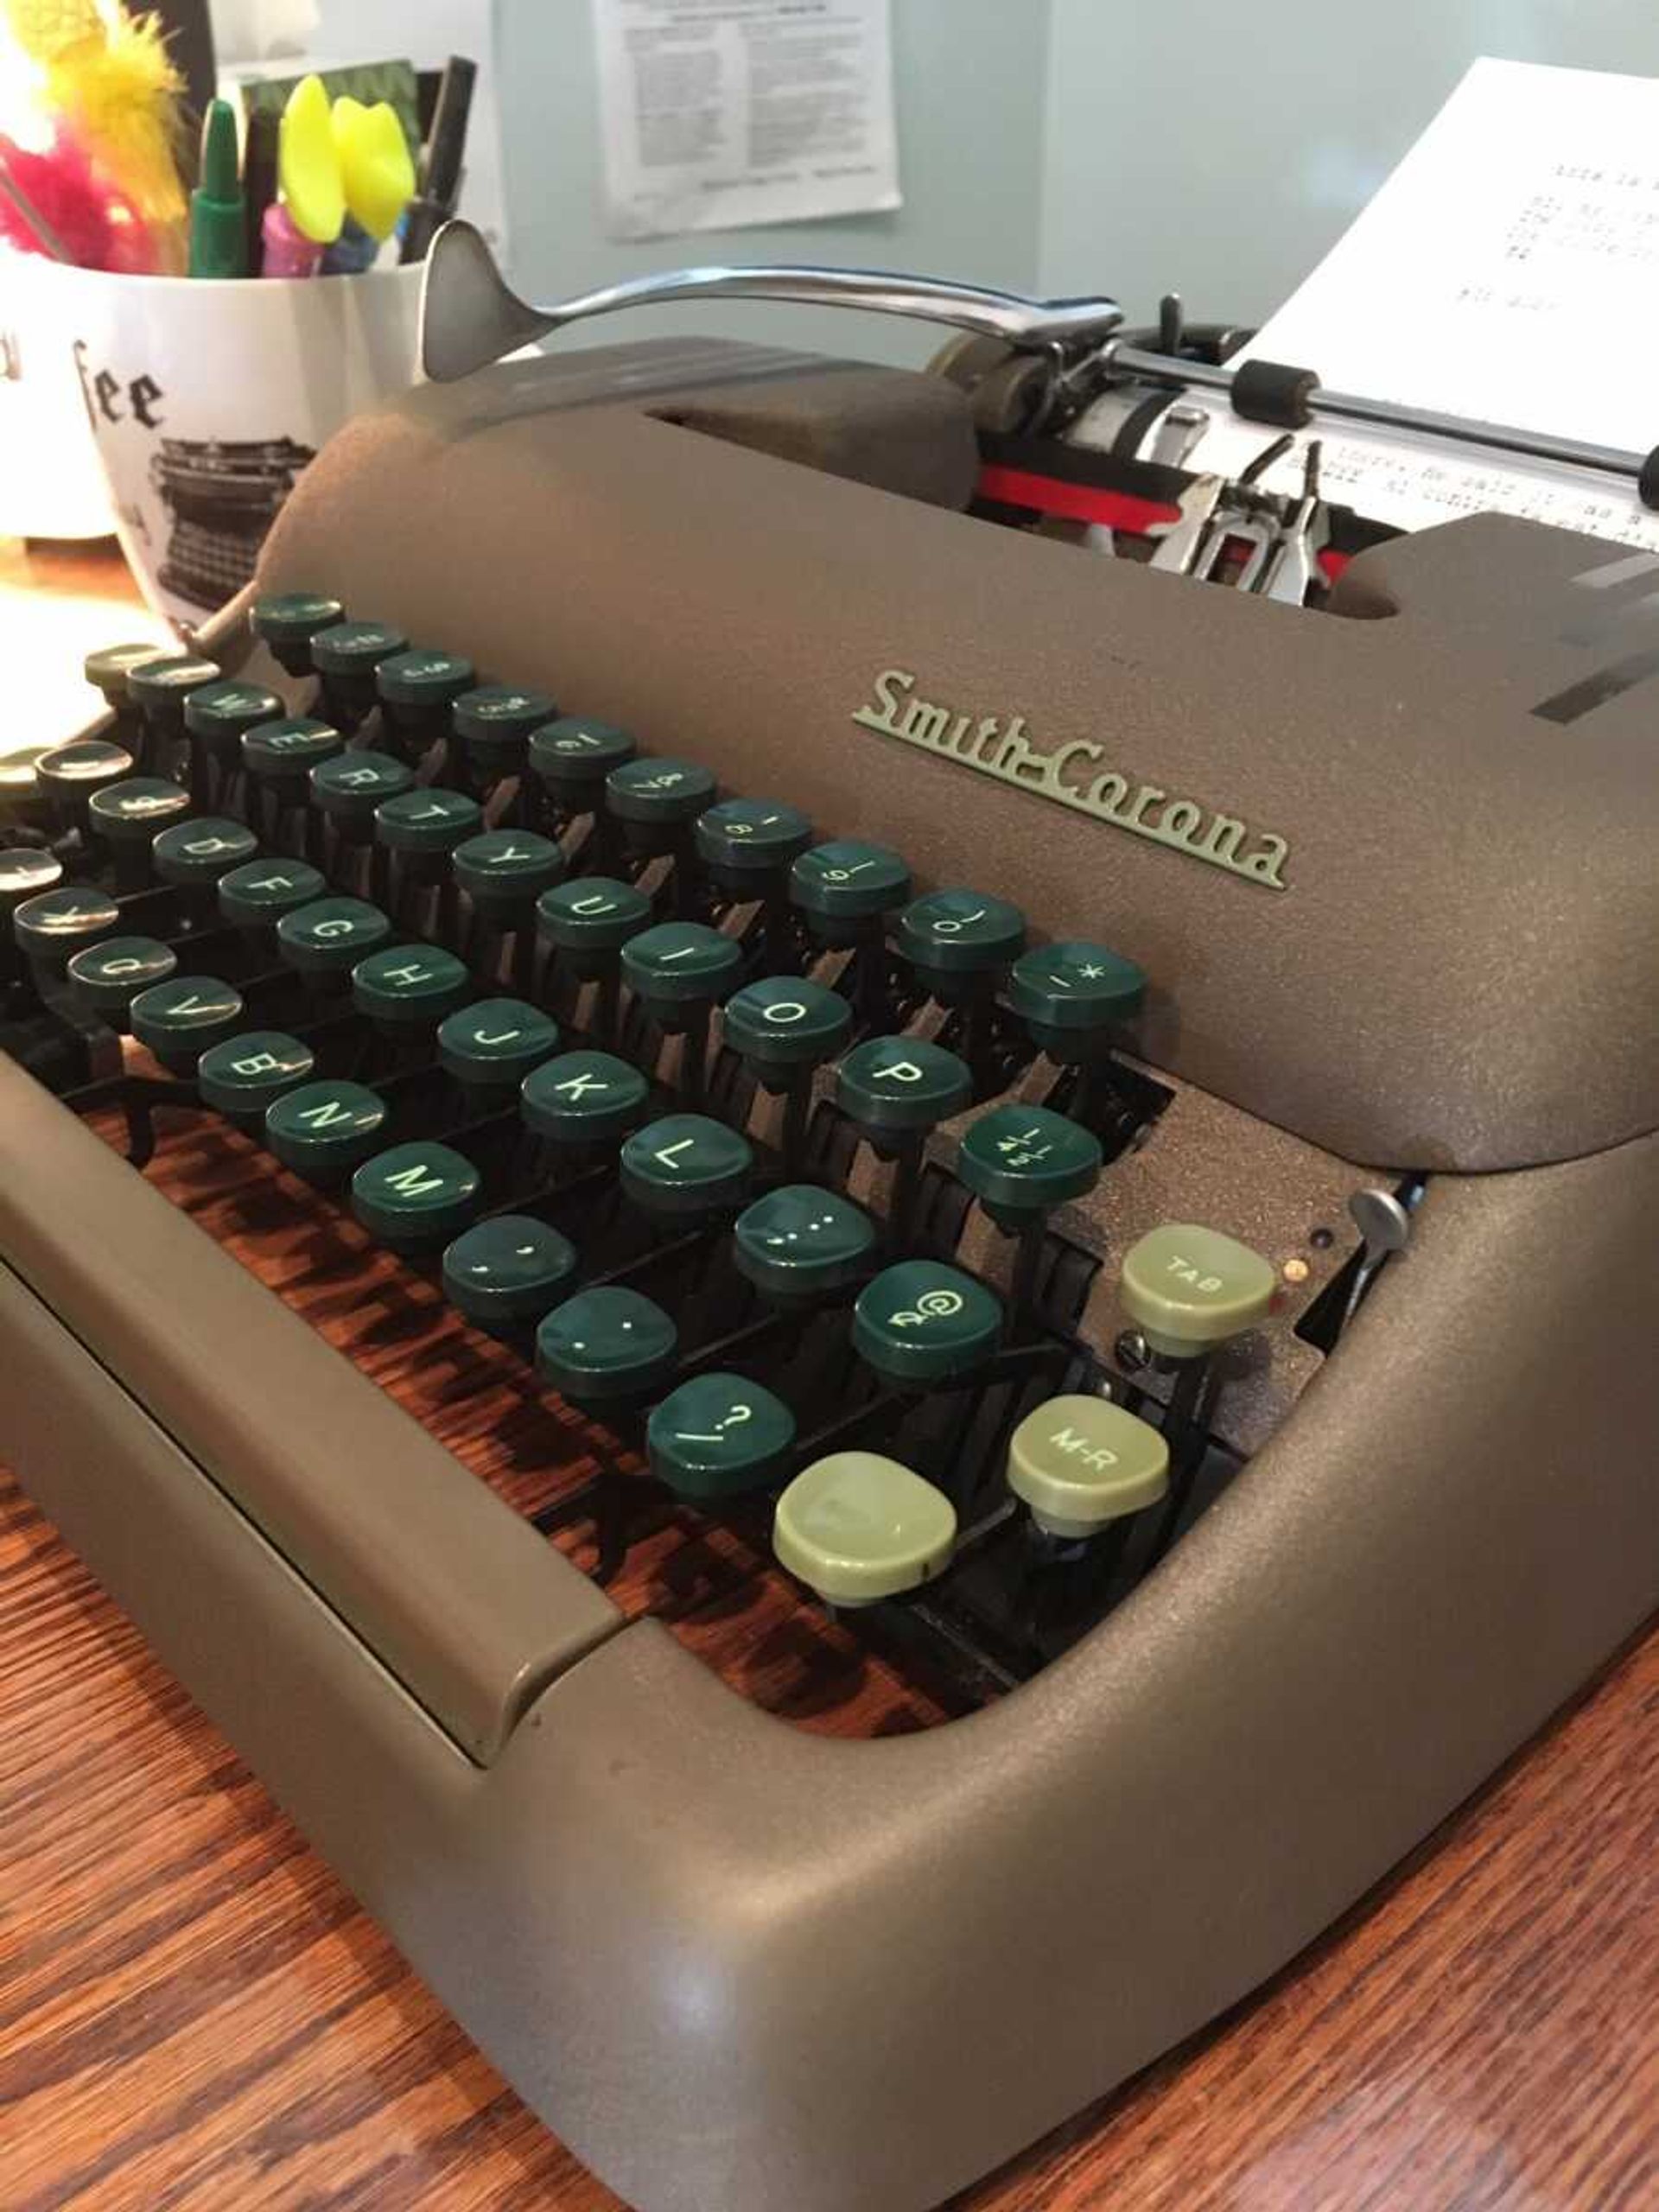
column 207, row 398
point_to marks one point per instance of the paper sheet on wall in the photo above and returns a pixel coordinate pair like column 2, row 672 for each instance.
column 719, row 114
column 1508, row 271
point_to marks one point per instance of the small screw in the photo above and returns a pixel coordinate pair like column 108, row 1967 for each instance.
column 1322, row 1239
column 1132, row 1351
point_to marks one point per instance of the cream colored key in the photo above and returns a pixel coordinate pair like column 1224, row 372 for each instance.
column 856, row 1527
column 1081, row 1464
column 1188, row 1289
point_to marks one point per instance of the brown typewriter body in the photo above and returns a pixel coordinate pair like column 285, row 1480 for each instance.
column 1403, row 923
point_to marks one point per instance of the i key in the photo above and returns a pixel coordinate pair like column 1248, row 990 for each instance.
column 676, row 971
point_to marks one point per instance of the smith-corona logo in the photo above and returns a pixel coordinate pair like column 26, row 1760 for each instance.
column 1071, row 777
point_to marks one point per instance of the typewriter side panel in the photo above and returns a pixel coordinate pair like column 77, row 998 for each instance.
column 736, row 1965
column 1411, row 838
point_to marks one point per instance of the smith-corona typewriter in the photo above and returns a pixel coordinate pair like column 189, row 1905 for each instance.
column 994, row 1211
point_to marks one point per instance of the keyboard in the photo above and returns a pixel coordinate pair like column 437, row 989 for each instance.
column 867, row 1298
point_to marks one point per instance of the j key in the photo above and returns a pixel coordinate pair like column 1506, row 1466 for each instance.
column 52, row 926
column 323, row 1130
column 289, row 620
column 417, row 689
column 177, row 1020
column 719, row 1435
column 570, row 759
column 607, row 1345
column 959, row 940
column 108, row 977
column 407, row 989
column 686, row 1163
column 493, row 725
column 195, row 854
column 857, row 1528
column 345, row 656
column 922, row 1322
column 256, row 896
column 1188, row 1289
column 126, row 816
column 799, row 1245
column 657, row 802
column 216, row 719
column 242, row 1075
column 1083, row 1465
column 748, row 844
column 158, row 688
column 25, row 873
column 505, row 872
column 329, row 937
column 582, row 1098
column 416, row 1195
column 503, row 1273
column 70, row 774
column 490, row 1047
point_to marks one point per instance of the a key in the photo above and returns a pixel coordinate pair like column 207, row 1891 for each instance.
column 583, row 1098
column 125, row 817
column 345, row 656
column 107, row 977
column 489, row 1047
column 505, row 1273
column 782, row 1027
column 289, row 620
column 685, row 1164
column 719, row 1435
column 323, row 1130
column 178, row 1019
column 244, row 1074
column 493, row 725
column 922, row 1322
column 407, row 989
column 415, row 1196
column 800, row 1245
column 1083, row 1465
column 857, row 1528
column 604, row 1348
column 329, row 937
column 416, row 690
column 254, row 898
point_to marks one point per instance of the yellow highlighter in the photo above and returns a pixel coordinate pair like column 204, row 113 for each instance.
column 375, row 167
column 307, row 164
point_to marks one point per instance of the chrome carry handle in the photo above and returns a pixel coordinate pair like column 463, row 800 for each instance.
column 470, row 317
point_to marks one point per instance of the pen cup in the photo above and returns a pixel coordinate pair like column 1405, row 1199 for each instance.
column 207, row 398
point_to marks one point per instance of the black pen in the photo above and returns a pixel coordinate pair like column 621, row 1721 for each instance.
column 440, row 171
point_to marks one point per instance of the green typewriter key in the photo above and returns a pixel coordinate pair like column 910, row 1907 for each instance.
column 1022, row 1162
column 69, row 774
column 242, row 1075
column 330, row 936
column 54, row 925
column 195, row 854
column 109, row 669
column 1072, row 995
column 657, row 802
column 323, row 1130
column 107, row 977
column 126, row 816
column 799, row 1245
column 346, row 656
column 719, row 1435
column 505, row 872
column 25, row 873
column 570, row 759
column 490, row 1047
column 782, row 1027
column 896, row 1088
column 748, row 844
column 504, row 1272
column 589, row 921
column 408, row 989
column 428, row 822
column 844, row 887
column 605, row 1345
column 349, row 790
column 922, row 1322
column 287, row 621
column 417, row 689
column 856, row 1527
column 256, row 896
column 1188, row 1289
column 956, row 940
column 583, row 1098
column 158, row 688
column 679, row 969
column 177, row 1020
column 416, row 1195
column 25, row 805
column 281, row 754
column 686, row 1163
column 493, row 724
column 216, row 719
column 1082, row 1466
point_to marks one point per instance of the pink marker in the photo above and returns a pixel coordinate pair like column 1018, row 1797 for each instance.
column 287, row 252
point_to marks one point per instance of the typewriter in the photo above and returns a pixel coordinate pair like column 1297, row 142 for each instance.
column 868, row 1294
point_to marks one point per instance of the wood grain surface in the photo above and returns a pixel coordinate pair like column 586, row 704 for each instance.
column 194, row 2017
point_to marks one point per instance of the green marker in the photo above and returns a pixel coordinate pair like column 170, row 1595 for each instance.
column 218, row 237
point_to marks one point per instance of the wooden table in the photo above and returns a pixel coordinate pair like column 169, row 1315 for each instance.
column 194, row 2017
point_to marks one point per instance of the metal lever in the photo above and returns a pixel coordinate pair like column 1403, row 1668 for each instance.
column 469, row 316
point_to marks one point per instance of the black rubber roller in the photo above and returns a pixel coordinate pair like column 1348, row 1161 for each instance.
column 1647, row 480
column 1271, row 392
